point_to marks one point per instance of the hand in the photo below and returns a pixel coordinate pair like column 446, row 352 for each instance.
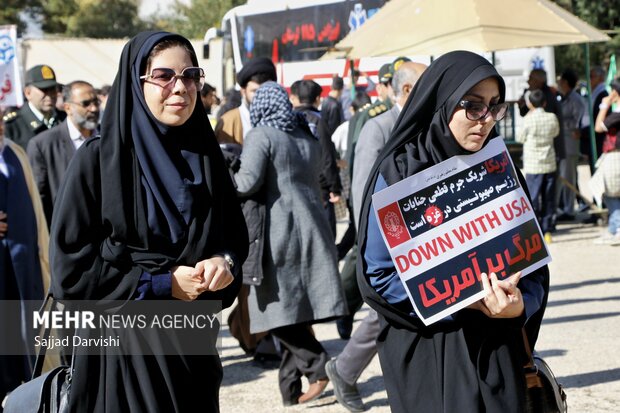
column 503, row 299
column 341, row 163
column 186, row 283
column 606, row 100
column 216, row 273
column 334, row 198
column 3, row 225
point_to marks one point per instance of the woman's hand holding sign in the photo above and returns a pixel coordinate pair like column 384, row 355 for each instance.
column 503, row 298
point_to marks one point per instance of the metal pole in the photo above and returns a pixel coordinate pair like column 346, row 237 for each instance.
column 594, row 157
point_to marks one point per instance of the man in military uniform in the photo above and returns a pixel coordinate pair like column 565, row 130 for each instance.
column 39, row 113
column 382, row 104
column 359, row 122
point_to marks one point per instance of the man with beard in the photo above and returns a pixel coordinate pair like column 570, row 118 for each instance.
column 235, row 124
column 51, row 151
column 39, row 113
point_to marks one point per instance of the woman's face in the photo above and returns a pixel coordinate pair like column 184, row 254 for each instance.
column 174, row 103
column 471, row 134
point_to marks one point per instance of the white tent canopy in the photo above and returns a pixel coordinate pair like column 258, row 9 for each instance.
column 434, row 27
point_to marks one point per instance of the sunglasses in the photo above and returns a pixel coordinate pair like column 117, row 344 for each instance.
column 87, row 103
column 479, row 110
column 163, row 76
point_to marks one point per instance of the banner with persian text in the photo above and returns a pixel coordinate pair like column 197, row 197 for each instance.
column 450, row 223
column 10, row 79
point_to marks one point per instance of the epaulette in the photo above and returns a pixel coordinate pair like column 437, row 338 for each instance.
column 363, row 108
column 377, row 110
column 10, row 116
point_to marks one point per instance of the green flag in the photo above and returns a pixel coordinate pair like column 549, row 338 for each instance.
column 611, row 75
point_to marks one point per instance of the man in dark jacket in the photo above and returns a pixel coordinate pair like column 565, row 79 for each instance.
column 306, row 95
column 39, row 113
column 331, row 109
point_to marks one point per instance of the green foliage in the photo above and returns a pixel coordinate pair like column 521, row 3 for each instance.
column 105, row 19
column 10, row 12
column 57, row 14
column 602, row 15
column 193, row 20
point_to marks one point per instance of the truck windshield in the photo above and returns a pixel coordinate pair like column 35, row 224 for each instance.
column 301, row 34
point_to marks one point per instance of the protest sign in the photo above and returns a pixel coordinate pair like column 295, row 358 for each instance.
column 446, row 225
column 10, row 80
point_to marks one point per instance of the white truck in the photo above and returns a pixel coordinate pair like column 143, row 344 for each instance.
column 295, row 34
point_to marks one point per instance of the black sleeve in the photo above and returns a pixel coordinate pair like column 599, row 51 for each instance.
column 332, row 113
column 330, row 175
column 39, row 170
column 77, row 236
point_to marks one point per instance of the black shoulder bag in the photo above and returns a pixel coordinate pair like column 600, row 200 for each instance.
column 44, row 393
column 543, row 394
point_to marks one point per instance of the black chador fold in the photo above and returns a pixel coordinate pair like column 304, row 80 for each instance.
column 143, row 197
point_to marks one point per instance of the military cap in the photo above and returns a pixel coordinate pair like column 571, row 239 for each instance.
column 396, row 64
column 385, row 74
column 41, row 76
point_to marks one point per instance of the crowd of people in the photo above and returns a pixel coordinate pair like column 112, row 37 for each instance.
column 155, row 188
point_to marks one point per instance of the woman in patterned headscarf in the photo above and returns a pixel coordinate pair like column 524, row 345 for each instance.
column 281, row 159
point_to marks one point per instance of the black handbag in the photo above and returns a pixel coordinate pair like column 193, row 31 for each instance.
column 543, row 394
column 44, row 393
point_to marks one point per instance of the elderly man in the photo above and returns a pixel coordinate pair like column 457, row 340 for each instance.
column 573, row 109
column 345, row 369
column 39, row 113
column 50, row 152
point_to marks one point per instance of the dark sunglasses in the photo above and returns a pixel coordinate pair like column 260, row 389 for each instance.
column 479, row 110
column 87, row 103
column 164, row 76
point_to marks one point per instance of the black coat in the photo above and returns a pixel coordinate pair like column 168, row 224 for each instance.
column 139, row 200
column 329, row 179
column 21, row 125
column 254, row 212
column 50, row 153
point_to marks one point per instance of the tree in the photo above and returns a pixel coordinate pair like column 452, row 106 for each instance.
column 193, row 20
column 91, row 18
column 602, row 15
column 12, row 11
column 57, row 14
column 105, row 19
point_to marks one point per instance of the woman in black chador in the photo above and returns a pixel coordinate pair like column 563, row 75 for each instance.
column 470, row 361
column 148, row 211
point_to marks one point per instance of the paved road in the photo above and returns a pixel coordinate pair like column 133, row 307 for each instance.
column 580, row 339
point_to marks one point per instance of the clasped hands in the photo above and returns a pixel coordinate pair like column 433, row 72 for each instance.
column 503, row 298
column 211, row 274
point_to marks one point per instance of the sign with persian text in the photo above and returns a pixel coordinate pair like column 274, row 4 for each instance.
column 10, row 81
column 448, row 224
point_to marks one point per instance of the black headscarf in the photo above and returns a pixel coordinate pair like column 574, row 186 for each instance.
column 166, row 196
column 163, row 160
column 473, row 364
column 421, row 138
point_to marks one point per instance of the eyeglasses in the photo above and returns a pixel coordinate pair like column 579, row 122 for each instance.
column 88, row 103
column 479, row 110
column 163, row 76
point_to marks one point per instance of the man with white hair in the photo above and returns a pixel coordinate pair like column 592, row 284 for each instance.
column 344, row 370
column 50, row 151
